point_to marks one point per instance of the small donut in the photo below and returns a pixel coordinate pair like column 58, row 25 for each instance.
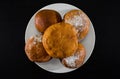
column 45, row 18
column 77, row 59
column 60, row 40
column 35, row 51
column 79, row 20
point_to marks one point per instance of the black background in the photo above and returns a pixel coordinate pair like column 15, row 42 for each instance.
column 105, row 59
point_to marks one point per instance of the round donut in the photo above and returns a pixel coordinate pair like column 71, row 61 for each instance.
column 60, row 40
column 77, row 59
column 45, row 18
column 79, row 20
column 35, row 51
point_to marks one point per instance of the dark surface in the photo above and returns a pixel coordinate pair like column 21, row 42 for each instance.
column 104, row 62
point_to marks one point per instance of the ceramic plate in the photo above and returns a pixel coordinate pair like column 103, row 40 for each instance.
column 54, row 65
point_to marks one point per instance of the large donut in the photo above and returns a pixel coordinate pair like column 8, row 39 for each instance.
column 60, row 40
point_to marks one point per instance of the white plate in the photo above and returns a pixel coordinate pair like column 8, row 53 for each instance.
column 54, row 65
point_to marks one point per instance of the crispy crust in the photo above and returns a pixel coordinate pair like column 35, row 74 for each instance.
column 60, row 40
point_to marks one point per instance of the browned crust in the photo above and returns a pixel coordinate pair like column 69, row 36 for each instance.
column 60, row 40
column 45, row 18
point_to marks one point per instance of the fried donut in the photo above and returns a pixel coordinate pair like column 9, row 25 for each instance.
column 60, row 40
column 79, row 20
column 35, row 51
column 77, row 59
column 45, row 18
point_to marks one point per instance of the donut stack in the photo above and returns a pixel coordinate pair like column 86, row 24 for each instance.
column 59, row 38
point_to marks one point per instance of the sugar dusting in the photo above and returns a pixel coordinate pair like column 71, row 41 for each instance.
column 77, row 21
column 71, row 60
column 37, row 38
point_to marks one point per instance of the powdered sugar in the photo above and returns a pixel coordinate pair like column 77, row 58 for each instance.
column 77, row 21
column 37, row 38
column 71, row 60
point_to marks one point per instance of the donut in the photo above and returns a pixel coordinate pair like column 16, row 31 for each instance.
column 35, row 51
column 60, row 40
column 45, row 18
column 77, row 59
column 79, row 20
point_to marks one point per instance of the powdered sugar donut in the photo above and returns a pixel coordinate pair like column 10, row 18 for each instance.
column 77, row 59
column 35, row 51
column 79, row 20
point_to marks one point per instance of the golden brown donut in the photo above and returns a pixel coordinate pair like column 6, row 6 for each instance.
column 77, row 59
column 35, row 51
column 79, row 20
column 60, row 40
column 45, row 18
